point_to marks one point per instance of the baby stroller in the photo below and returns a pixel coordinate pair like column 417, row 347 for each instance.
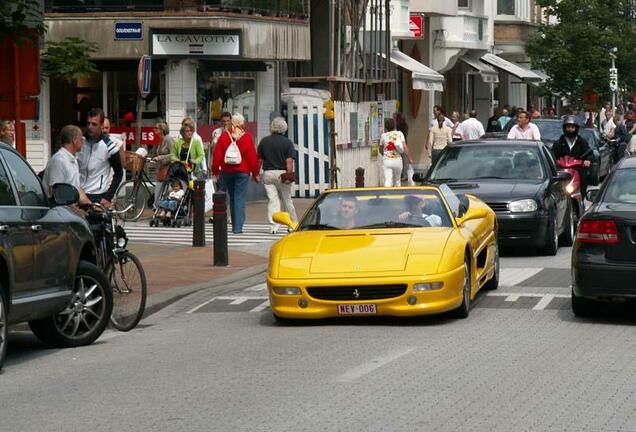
column 179, row 213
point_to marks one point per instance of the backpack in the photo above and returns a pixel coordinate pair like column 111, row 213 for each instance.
column 232, row 153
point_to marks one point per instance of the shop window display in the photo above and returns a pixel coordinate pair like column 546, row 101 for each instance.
column 225, row 91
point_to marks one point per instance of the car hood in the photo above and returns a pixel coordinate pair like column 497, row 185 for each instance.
column 358, row 253
column 496, row 191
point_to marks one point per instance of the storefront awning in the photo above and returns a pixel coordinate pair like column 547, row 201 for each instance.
column 543, row 76
column 520, row 72
column 424, row 78
column 487, row 74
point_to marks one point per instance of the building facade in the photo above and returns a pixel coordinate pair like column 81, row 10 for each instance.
column 207, row 57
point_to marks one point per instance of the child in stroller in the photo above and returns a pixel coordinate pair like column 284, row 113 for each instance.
column 169, row 206
column 175, row 195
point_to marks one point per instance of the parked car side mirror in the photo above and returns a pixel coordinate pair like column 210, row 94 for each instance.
column 419, row 177
column 591, row 194
column 562, row 176
column 64, row 194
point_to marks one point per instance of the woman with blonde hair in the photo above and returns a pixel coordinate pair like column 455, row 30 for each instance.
column 235, row 158
column 188, row 121
column 7, row 132
column 187, row 150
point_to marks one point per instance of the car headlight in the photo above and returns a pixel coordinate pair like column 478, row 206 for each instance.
column 287, row 290
column 523, row 206
column 428, row 286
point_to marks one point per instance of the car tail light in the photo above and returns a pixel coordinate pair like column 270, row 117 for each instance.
column 597, row 231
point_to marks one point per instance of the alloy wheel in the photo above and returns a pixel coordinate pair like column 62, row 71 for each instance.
column 467, row 286
column 85, row 311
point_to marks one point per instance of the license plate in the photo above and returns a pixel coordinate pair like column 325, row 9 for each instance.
column 357, row 309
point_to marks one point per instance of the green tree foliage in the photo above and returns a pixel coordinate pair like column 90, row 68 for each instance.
column 17, row 16
column 68, row 59
column 575, row 49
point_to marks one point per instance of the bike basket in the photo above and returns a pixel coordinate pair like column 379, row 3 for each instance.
column 134, row 162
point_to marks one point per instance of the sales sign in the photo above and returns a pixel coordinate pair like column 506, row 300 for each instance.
column 129, row 31
column 416, row 25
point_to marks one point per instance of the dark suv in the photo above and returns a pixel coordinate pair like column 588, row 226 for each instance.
column 47, row 273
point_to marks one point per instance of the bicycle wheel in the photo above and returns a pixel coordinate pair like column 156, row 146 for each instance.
column 133, row 195
column 129, row 291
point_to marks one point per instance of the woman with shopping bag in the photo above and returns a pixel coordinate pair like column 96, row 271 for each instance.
column 235, row 158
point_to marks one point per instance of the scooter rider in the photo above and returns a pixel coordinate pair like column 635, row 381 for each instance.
column 572, row 144
column 98, row 156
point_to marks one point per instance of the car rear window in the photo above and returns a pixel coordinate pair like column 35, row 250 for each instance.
column 622, row 187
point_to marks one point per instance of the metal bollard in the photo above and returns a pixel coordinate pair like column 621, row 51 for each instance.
column 198, row 214
column 219, row 222
column 359, row 177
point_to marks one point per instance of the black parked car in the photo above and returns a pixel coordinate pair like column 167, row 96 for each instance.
column 46, row 252
column 551, row 129
column 519, row 180
column 604, row 255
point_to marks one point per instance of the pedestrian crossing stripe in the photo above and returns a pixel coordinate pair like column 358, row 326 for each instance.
column 252, row 234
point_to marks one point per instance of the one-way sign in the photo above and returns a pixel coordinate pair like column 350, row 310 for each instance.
column 144, row 71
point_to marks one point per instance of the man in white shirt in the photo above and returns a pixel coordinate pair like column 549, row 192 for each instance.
column 471, row 128
column 63, row 166
column 437, row 110
column 524, row 129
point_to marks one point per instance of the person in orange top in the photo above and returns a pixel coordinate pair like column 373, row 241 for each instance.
column 235, row 174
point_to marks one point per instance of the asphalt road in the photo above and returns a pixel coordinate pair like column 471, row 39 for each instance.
column 217, row 361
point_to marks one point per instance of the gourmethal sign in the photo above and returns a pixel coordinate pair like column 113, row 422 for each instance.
column 195, row 43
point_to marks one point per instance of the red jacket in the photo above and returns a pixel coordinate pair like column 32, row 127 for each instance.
column 249, row 162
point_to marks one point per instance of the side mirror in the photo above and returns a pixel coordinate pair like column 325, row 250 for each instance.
column 562, row 176
column 464, row 205
column 284, row 218
column 591, row 194
column 64, row 194
column 419, row 177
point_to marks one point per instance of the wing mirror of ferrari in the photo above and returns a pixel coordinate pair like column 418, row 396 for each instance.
column 284, row 218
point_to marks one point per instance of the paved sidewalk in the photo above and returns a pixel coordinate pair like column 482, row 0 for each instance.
column 173, row 272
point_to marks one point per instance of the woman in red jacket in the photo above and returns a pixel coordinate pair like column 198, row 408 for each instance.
column 235, row 170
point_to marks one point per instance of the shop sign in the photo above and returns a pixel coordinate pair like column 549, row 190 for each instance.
column 202, row 43
column 416, row 25
column 148, row 135
column 129, row 31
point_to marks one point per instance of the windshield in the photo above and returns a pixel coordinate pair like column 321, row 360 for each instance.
column 377, row 209
column 622, row 188
column 550, row 130
column 496, row 161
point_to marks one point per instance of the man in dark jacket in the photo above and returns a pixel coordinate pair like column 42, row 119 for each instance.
column 493, row 122
column 572, row 144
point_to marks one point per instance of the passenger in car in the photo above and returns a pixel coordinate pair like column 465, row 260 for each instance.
column 421, row 211
column 348, row 212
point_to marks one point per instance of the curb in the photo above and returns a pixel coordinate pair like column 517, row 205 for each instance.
column 159, row 301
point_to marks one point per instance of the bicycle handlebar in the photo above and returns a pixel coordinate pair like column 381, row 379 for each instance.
column 101, row 208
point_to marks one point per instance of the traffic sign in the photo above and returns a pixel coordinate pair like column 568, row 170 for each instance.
column 613, row 79
column 144, row 71
column 416, row 25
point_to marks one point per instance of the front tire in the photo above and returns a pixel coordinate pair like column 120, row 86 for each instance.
column 85, row 317
column 4, row 327
column 464, row 309
column 567, row 236
column 552, row 238
column 128, row 280
column 135, row 196
column 493, row 282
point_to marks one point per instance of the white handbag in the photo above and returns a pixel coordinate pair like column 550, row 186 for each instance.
column 232, row 153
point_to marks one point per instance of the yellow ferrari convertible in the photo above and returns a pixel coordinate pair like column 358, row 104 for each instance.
column 389, row 251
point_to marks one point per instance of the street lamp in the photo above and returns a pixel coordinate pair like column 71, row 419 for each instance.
column 613, row 75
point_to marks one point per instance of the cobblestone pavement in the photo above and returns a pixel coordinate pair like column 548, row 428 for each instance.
column 520, row 362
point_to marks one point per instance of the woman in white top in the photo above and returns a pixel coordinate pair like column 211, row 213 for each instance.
column 608, row 125
column 392, row 146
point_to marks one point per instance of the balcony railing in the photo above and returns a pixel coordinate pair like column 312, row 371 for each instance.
column 280, row 8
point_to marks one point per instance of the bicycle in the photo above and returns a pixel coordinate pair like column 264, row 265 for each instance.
column 133, row 194
column 122, row 268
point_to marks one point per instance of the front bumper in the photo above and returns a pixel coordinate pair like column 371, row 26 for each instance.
column 595, row 276
column 428, row 302
column 522, row 228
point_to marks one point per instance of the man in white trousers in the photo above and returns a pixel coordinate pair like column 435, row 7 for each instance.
column 276, row 152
